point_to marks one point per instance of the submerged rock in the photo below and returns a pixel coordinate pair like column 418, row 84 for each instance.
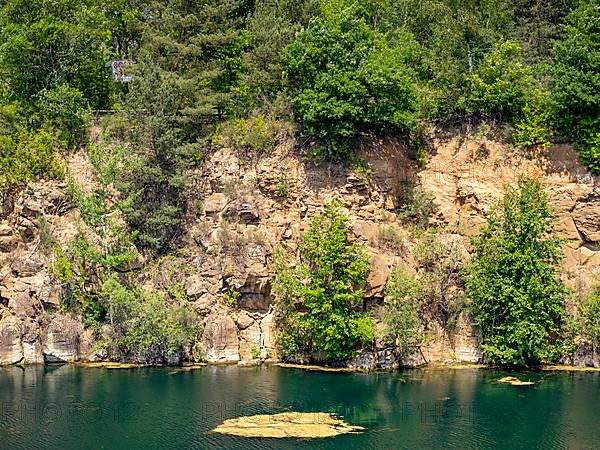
column 514, row 381
column 287, row 425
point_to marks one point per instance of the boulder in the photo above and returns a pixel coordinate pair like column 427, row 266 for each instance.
column 32, row 347
column 586, row 216
column 21, row 305
column 5, row 229
column 205, row 304
column 61, row 339
column 215, row 203
column 32, row 209
column 27, row 267
column 378, row 276
column 8, row 243
column 268, row 333
column 11, row 349
column 248, row 213
column 244, row 320
column 220, row 339
column 250, row 342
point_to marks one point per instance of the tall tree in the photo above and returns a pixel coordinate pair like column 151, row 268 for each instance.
column 346, row 77
column 319, row 299
column 518, row 299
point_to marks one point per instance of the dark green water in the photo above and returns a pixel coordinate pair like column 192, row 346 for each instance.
column 74, row 408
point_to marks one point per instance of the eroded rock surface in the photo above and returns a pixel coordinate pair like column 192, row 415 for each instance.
column 244, row 207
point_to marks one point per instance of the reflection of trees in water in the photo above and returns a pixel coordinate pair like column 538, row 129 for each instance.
column 63, row 406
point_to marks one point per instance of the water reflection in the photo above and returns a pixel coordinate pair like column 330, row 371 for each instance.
column 68, row 407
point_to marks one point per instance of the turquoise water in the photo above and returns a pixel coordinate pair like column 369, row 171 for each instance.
column 65, row 407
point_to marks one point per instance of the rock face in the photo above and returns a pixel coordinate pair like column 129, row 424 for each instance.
column 11, row 348
column 61, row 340
column 586, row 216
column 251, row 205
column 220, row 339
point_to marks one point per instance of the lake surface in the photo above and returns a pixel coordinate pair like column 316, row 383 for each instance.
column 66, row 407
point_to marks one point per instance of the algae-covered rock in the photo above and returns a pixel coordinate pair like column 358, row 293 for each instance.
column 514, row 381
column 287, row 425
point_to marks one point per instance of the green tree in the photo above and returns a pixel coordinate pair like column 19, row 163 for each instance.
column 400, row 312
column 148, row 326
column 319, row 299
column 153, row 177
column 589, row 320
column 576, row 72
column 199, row 47
column 346, row 78
column 502, row 83
column 517, row 298
column 273, row 25
column 46, row 44
column 576, row 81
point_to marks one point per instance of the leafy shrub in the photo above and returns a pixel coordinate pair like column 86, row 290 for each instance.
column 576, row 72
column 400, row 312
column 442, row 262
column 319, row 299
column 27, row 155
column 282, row 189
column 388, row 237
column 533, row 129
column 590, row 153
column 415, row 205
column 518, row 300
column 148, row 326
column 64, row 109
column 231, row 297
column 502, row 83
column 589, row 319
column 44, row 227
column 76, row 271
column 258, row 134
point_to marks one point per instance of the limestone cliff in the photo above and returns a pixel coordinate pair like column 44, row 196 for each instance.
column 242, row 207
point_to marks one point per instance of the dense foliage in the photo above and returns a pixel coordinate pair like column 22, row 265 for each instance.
column 236, row 73
column 346, row 68
column 517, row 298
column 320, row 297
column 148, row 326
column 589, row 320
column 346, row 77
column 400, row 314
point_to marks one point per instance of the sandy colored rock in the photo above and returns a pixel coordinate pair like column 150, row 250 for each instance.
column 514, row 381
column 378, row 275
column 287, row 425
column 61, row 339
column 220, row 339
column 215, row 203
column 586, row 216
column 11, row 348
column 244, row 320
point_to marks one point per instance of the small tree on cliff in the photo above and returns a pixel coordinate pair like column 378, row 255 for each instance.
column 319, row 297
column 518, row 300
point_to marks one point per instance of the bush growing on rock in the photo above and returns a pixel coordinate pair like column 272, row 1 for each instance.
column 319, row 297
column 147, row 326
column 589, row 320
column 442, row 262
column 26, row 155
column 517, row 298
column 400, row 313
